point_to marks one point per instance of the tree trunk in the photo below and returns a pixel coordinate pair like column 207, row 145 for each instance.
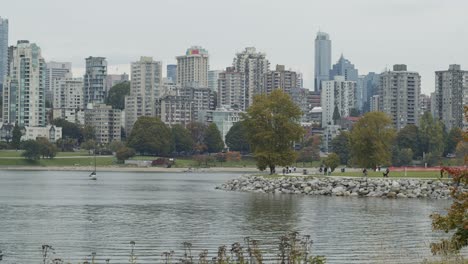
column 272, row 169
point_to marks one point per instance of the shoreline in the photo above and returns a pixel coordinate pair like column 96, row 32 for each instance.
column 341, row 186
column 129, row 169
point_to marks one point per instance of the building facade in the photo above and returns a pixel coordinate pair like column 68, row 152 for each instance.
column 223, row 117
column 72, row 115
column 105, row 121
column 192, row 68
column 3, row 50
column 340, row 94
column 145, row 87
column 232, row 89
column 67, row 93
column 399, row 92
column 254, row 65
column 24, row 90
column 51, row 133
column 184, row 104
column 451, row 91
column 370, row 87
column 172, row 73
column 56, row 70
column 279, row 79
column 213, row 77
column 322, row 59
column 95, row 78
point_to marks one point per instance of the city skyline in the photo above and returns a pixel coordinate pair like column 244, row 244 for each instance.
column 371, row 46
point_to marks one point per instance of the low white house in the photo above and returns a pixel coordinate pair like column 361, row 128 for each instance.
column 52, row 133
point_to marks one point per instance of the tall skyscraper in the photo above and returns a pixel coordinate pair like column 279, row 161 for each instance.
column 232, row 89
column 3, row 50
column 253, row 65
column 451, row 94
column 279, row 79
column 345, row 68
column 145, row 87
column 192, row 68
column 95, row 81
column 399, row 92
column 172, row 72
column 322, row 59
column 24, row 93
column 213, row 80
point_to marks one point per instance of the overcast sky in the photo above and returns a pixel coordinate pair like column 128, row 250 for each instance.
column 427, row 35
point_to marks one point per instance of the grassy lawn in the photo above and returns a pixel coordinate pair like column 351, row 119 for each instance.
column 393, row 174
column 14, row 153
column 84, row 161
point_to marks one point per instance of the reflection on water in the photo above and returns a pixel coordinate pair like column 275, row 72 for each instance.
column 160, row 211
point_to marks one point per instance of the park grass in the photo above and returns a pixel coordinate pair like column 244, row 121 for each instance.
column 393, row 174
column 82, row 161
column 17, row 153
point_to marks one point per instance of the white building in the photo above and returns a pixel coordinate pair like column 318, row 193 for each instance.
column 24, row 91
column 67, row 93
column 224, row 118
column 55, row 70
column 192, row 68
column 145, row 87
column 52, row 133
column 253, row 65
column 105, row 121
column 399, row 92
column 337, row 93
column 72, row 115
column 375, row 103
column 232, row 89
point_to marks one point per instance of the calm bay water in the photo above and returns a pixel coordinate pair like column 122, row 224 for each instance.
column 160, row 211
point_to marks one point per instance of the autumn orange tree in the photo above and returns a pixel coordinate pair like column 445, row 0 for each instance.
column 456, row 220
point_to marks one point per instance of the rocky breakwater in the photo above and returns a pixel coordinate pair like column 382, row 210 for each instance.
column 341, row 186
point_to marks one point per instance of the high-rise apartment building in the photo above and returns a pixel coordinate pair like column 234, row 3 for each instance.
column 56, row 70
column 24, row 93
column 253, row 65
column 322, row 59
column 279, row 79
column 451, row 94
column 183, row 104
column 232, row 89
column 337, row 93
column 172, row 72
column 105, row 121
column 213, row 80
column 3, row 50
column 145, row 87
column 67, row 93
column 95, row 78
column 192, row 68
column 399, row 92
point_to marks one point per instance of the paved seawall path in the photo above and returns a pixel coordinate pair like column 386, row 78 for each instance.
column 343, row 186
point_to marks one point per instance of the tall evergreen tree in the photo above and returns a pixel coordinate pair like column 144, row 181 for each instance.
column 213, row 140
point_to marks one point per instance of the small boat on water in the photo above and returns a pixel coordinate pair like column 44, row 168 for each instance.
column 93, row 175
